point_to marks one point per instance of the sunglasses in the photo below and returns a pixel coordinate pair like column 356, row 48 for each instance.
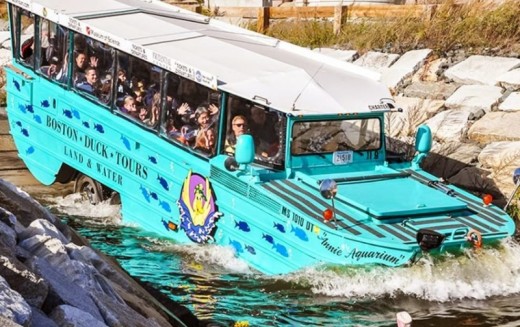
column 239, row 125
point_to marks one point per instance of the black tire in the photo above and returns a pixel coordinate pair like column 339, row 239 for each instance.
column 89, row 189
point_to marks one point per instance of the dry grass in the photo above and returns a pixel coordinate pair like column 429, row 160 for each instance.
column 474, row 25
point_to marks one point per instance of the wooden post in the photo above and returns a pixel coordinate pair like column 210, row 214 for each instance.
column 340, row 12
column 262, row 23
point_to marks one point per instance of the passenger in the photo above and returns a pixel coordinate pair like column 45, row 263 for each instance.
column 63, row 73
column 90, row 84
column 129, row 107
column 106, row 89
column 205, row 117
column 26, row 50
column 238, row 127
column 151, row 117
column 123, row 85
column 205, row 141
column 52, row 69
column 80, row 65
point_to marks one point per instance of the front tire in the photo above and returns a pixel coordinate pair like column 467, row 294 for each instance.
column 89, row 189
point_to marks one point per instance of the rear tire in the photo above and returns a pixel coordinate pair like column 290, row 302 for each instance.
column 89, row 189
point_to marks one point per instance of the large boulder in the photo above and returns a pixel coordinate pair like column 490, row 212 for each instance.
column 67, row 315
column 13, row 305
column 25, row 208
column 501, row 158
column 62, row 290
column 119, row 314
column 21, row 279
column 47, row 248
column 479, row 99
column 43, row 227
column 484, row 70
column 449, row 125
column 496, row 126
column 415, row 112
column 40, row 319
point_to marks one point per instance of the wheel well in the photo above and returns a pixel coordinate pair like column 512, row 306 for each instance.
column 66, row 174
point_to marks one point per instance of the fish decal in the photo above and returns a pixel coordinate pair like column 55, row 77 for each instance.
column 154, row 195
column 242, row 225
column 67, row 113
column 45, row 104
column 86, row 124
column 99, row 128
column 30, row 108
column 22, row 108
column 250, row 249
column 169, row 225
column 75, row 113
column 237, row 246
column 30, row 150
column 126, row 142
column 25, row 132
column 300, row 233
column 280, row 227
column 152, row 159
column 163, row 182
column 37, row 119
column 197, row 208
column 165, row 206
column 18, row 123
column 145, row 193
column 16, row 84
column 268, row 238
column 281, row 250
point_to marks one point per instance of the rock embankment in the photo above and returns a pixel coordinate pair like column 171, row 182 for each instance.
column 470, row 102
column 49, row 276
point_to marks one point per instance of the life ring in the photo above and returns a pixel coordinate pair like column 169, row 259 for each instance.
column 475, row 238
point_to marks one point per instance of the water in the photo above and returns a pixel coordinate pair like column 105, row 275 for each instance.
column 476, row 289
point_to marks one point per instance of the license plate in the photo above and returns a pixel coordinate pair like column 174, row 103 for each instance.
column 342, row 157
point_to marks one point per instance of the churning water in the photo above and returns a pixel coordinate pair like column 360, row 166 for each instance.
column 474, row 289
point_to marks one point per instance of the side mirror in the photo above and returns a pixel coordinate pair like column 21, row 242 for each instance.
column 423, row 139
column 328, row 188
column 245, row 149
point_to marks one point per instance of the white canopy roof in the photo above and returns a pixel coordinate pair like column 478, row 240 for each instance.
column 266, row 70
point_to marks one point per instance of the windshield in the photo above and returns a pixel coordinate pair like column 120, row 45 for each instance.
column 336, row 135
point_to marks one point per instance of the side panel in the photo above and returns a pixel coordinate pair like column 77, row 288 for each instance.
column 26, row 122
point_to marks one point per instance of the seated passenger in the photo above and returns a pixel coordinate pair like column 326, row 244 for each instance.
column 129, row 107
column 80, row 66
column 26, row 50
column 52, row 69
column 238, row 127
column 90, row 84
column 123, row 85
column 205, row 141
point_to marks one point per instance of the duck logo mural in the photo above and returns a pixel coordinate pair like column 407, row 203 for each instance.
column 197, row 208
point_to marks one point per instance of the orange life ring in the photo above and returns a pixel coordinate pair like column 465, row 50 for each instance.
column 475, row 238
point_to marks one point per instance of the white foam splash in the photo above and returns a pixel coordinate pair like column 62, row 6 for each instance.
column 206, row 254
column 75, row 205
column 489, row 272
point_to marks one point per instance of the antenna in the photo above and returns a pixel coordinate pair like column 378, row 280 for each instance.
column 303, row 89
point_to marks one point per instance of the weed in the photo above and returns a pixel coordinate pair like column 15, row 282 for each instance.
column 474, row 25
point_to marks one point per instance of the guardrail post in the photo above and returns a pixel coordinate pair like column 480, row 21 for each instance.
column 340, row 13
column 262, row 23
